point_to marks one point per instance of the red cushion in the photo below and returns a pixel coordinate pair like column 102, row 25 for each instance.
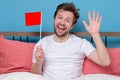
column 15, row 55
column 1, row 36
column 114, row 68
column 115, row 56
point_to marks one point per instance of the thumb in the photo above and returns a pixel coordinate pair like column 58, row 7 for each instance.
column 39, row 48
column 84, row 23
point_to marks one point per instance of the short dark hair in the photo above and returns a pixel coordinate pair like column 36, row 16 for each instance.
column 68, row 7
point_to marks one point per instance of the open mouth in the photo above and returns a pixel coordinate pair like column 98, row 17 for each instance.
column 61, row 28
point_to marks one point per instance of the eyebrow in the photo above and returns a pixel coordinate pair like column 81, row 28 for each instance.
column 67, row 17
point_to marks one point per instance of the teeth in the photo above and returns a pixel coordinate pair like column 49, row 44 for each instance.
column 61, row 27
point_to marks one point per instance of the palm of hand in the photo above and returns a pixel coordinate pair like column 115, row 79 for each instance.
column 93, row 27
column 94, row 23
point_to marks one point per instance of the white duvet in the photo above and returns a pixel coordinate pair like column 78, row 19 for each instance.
column 30, row 76
column 98, row 77
column 21, row 76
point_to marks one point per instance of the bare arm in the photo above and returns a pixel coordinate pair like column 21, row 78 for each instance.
column 100, row 55
column 37, row 67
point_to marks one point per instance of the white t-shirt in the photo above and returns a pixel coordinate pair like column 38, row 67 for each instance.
column 64, row 60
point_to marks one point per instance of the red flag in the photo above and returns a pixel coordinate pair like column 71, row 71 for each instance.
column 33, row 18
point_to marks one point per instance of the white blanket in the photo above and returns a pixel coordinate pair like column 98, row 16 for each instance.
column 30, row 76
column 98, row 77
column 21, row 76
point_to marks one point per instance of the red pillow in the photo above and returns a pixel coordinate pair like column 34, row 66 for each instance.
column 15, row 55
column 1, row 36
column 90, row 67
column 115, row 56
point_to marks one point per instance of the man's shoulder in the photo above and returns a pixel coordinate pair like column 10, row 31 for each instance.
column 75, row 37
column 78, row 38
column 47, row 37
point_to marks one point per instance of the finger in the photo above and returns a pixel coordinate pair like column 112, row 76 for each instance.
column 39, row 47
column 85, row 24
column 97, row 16
column 93, row 15
column 100, row 19
column 40, row 58
column 39, row 55
column 39, row 51
column 89, row 17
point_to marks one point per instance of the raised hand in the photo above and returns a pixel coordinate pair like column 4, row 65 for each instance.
column 39, row 54
column 94, row 23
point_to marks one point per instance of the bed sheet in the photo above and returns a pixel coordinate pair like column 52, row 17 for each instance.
column 30, row 76
column 21, row 76
column 98, row 77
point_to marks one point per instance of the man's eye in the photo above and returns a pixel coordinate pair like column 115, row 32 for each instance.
column 67, row 20
column 59, row 17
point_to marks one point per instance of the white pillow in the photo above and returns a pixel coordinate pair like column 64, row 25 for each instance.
column 98, row 77
column 21, row 76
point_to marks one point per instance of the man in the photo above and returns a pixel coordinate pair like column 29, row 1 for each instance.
column 61, row 56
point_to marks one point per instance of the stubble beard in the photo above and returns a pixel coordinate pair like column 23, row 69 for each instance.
column 60, row 35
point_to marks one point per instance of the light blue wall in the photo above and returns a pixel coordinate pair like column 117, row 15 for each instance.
column 12, row 13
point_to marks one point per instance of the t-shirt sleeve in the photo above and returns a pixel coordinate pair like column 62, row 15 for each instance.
column 87, row 47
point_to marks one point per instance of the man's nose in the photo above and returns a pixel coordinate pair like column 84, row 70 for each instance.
column 62, row 22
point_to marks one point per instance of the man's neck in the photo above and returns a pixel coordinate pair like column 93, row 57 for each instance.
column 60, row 39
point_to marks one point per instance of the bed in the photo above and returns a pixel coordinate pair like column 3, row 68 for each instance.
column 16, row 56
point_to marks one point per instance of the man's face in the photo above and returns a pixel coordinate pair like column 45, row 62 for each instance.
column 63, row 22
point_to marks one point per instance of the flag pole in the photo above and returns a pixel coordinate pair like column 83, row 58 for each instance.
column 41, row 27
